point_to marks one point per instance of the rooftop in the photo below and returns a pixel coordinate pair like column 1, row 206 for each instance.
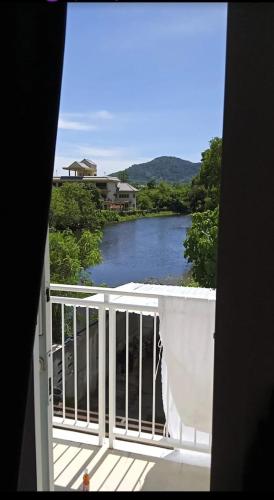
column 124, row 186
column 87, row 178
column 88, row 162
column 84, row 165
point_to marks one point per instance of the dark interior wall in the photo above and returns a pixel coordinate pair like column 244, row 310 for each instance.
column 27, row 468
column 244, row 345
column 32, row 72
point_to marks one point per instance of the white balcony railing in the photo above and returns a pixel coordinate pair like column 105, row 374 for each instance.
column 85, row 343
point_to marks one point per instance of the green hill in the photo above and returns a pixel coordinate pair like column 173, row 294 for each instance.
column 167, row 168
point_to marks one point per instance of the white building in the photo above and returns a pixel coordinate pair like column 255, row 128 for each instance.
column 115, row 194
column 126, row 194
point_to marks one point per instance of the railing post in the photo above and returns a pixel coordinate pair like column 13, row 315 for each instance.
column 102, row 373
column 112, row 374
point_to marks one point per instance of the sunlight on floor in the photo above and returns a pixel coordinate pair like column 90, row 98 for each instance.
column 115, row 470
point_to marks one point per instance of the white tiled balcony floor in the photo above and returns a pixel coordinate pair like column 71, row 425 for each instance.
column 128, row 467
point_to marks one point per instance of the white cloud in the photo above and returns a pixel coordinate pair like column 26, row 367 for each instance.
column 84, row 121
column 72, row 125
column 104, row 115
column 96, row 116
column 103, row 152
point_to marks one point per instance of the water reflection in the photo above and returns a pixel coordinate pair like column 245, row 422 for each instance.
column 142, row 249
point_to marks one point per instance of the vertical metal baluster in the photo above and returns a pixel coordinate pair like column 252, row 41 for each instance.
column 140, row 371
column 102, row 372
column 87, row 363
column 181, row 433
column 50, row 358
column 75, row 364
column 112, row 375
column 154, row 375
column 127, row 347
column 167, row 406
column 63, row 361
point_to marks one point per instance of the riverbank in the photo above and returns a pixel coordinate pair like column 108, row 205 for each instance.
column 185, row 279
column 131, row 217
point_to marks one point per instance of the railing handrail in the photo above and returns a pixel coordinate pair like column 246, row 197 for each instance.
column 107, row 310
column 71, row 301
column 115, row 291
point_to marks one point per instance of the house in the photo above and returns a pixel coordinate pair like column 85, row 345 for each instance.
column 116, row 195
column 126, row 194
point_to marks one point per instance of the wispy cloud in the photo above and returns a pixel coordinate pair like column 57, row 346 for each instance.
column 104, row 152
column 108, row 160
column 73, row 125
column 84, row 121
column 103, row 115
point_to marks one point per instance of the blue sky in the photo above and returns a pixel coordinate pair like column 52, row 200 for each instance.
column 141, row 80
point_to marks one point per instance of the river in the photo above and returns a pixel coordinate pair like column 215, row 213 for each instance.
column 144, row 250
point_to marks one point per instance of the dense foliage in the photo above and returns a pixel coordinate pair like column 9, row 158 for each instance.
column 75, row 206
column 201, row 247
column 204, row 191
column 164, row 168
column 201, row 242
column 164, row 196
column 75, row 232
column 70, row 255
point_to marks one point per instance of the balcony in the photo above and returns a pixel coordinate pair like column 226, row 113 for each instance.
column 108, row 411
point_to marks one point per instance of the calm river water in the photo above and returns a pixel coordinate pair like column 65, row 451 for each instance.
column 142, row 250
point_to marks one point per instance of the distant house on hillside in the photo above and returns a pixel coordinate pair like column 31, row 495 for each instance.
column 116, row 195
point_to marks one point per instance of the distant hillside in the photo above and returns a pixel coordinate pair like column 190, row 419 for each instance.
column 167, row 168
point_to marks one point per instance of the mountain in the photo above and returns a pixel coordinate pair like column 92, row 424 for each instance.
column 166, row 168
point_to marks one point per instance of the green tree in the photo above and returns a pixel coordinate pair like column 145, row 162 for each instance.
column 64, row 211
column 65, row 264
column 164, row 196
column 201, row 247
column 204, row 193
column 123, row 176
column 71, row 255
column 144, row 201
column 196, row 197
column 74, row 241
column 178, row 201
column 94, row 194
column 74, row 206
column 151, row 184
column 89, row 248
column 211, row 164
